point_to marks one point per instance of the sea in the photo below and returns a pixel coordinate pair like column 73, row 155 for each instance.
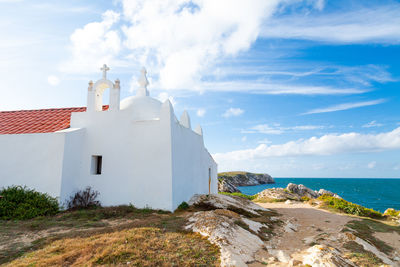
column 378, row 194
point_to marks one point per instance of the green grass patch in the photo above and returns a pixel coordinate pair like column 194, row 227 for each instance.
column 249, row 197
column 339, row 204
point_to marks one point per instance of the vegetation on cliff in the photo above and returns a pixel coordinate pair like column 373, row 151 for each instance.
column 341, row 205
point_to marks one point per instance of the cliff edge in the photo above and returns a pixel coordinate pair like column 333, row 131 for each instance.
column 229, row 181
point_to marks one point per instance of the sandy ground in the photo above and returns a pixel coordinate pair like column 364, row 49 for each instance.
column 304, row 225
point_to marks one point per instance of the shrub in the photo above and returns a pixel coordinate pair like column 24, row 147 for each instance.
column 84, row 199
column 305, row 198
column 349, row 208
column 21, row 203
column 249, row 197
column 183, row 206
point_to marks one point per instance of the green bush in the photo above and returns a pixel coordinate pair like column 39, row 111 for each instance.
column 21, row 203
column 249, row 197
column 349, row 208
column 392, row 212
column 183, row 206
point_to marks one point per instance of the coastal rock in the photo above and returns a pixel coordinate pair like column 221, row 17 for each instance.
column 392, row 213
column 302, row 191
column 326, row 192
column 218, row 201
column 227, row 186
column 227, row 221
column 228, row 180
column 276, row 195
column 321, row 256
column 237, row 245
column 291, row 192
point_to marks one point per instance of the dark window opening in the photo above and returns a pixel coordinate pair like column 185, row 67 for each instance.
column 97, row 162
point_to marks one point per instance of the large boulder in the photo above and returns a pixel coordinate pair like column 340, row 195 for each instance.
column 302, row 190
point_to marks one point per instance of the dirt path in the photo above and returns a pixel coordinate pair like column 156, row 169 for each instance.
column 304, row 226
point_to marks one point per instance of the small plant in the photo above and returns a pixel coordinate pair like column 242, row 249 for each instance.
column 305, row 199
column 21, row 203
column 84, row 199
column 183, row 206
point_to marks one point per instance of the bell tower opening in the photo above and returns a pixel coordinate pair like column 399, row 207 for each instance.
column 103, row 89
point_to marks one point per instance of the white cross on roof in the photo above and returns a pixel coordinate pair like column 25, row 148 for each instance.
column 105, row 69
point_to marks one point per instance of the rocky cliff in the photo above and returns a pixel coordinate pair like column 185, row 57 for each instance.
column 292, row 192
column 228, row 181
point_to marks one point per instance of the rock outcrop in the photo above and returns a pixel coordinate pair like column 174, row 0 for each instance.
column 292, row 192
column 228, row 181
column 277, row 195
column 229, row 222
column 227, row 186
column 321, row 255
column 251, row 235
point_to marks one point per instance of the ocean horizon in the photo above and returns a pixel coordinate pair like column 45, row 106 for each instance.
column 375, row 193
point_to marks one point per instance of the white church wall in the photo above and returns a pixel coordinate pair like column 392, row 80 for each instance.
column 136, row 159
column 32, row 160
column 74, row 139
column 191, row 163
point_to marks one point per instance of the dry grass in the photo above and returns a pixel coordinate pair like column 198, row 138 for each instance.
column 137, row 246
column 40, row 235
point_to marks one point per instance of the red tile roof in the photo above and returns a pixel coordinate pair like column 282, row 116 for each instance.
column 37, row 121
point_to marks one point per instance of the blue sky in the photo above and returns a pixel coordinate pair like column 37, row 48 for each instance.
column 288, row 87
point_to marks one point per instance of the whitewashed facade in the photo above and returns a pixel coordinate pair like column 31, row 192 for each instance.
column 135, row 152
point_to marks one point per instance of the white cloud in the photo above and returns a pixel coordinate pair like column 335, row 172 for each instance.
column 201, row 112
column 325, row 145
column 233, row 112
column 277, row 88
column 163, row 96
column 182, row 38
column 345, row 106
column 371, row 165
column 244, row 139
column 307, row 127
column 376, row 24
column 278, row 129
column 372, row 124
column 93, row 45
column 264, row 141
column 53, row 80
column 264, row 129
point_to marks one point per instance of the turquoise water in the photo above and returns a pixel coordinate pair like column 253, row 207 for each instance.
column 378, row 194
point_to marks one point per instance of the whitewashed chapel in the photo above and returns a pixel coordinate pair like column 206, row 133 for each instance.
column 131, row 151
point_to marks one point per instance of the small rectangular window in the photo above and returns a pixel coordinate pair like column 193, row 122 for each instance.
column 97, row 162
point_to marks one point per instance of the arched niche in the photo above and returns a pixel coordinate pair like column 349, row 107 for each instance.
column 99, row 87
